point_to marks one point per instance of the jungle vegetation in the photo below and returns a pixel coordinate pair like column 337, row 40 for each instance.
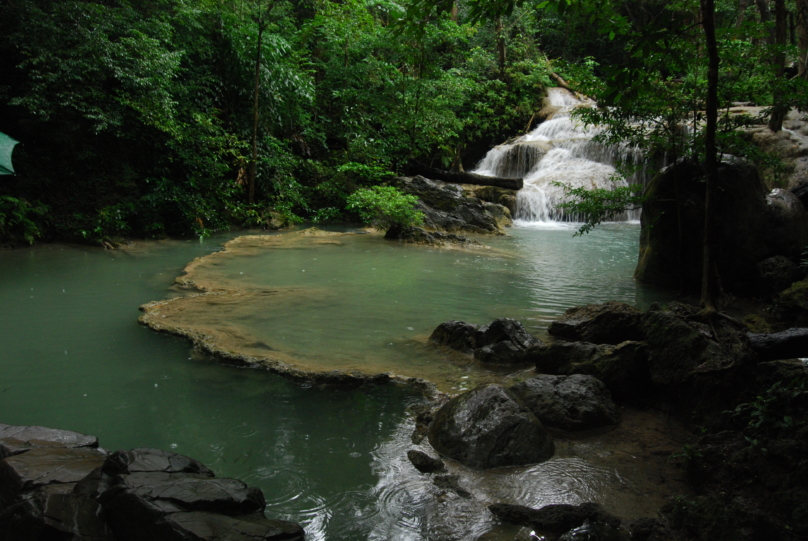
column 182, row 117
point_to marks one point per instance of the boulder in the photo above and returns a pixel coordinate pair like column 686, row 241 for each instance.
column 425, row 463
column 576, row 402
column 446, row 208
column 505, row 329
column 622, row 368
column 750, row 225
column 456, row 335
column 451, row 482
column 503, row 341
column 777, row 273
column 57, row 485
column 678, row 347
column 151, row 494
column 489, row 427
column 502, row 353
column 43, row 466
column 54, row 512
column 554, row 519
column 608, row 323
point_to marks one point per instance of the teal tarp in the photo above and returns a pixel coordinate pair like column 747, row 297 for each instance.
column 6, row 147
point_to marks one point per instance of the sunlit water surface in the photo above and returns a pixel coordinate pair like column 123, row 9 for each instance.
column 73, row 356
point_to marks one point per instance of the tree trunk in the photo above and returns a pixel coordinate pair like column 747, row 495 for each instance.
column 709, row 279
column 802, row 33
column 501, row 52
column 254, row 162
column 779, row 109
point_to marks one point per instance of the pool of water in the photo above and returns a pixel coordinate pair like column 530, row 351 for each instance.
column 348, row 301
column 73, row 356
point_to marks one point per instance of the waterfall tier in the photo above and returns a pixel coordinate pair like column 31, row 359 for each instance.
column 560, row 150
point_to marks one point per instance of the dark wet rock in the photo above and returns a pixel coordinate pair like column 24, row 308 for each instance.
column 622, row 368
column 54, row 512
column 504, row 353
column 680, row 346
column 505, row 329
column 801, row 192
column 788, row 344
column 777, row 273
column 418, row 235
column 425, row 463
column 576, row 402
column 80, row 492
column 751, row 225
column 556, row 518
column 503, row 341
column 456, row 335
column 607, row 323
column 18, row 439
column 152, row 460
column 44, row 466
column 451, row 482
column 446, row 208
column 489, row 427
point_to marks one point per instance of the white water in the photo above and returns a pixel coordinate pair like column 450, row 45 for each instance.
column 560, row 150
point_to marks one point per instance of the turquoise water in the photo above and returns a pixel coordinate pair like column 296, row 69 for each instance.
column 73, row 356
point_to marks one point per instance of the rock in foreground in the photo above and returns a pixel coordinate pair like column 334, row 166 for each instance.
column 57, row 485
column 489, row 427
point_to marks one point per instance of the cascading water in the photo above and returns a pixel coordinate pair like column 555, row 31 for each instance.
column 561, row 150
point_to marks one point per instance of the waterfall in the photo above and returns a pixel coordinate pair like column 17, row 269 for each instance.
column 560, row 150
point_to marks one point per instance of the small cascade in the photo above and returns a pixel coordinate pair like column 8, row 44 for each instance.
column 561, row 150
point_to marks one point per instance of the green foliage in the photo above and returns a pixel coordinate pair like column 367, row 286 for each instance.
column 384, row 207
column 598, row 205
column 772, row 412
column 20, row 219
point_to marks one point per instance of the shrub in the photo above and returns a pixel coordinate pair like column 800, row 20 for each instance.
column 384, row 207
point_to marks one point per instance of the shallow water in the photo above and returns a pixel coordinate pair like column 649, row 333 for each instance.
column 358, row 302
column 74, row 357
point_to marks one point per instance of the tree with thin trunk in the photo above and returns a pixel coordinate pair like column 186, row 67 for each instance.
column 779, row 108
column 802, row 43
column 261, row 23
column 709, row 284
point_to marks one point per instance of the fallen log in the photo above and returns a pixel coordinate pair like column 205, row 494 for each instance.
column 788, row 344
column 463, row 178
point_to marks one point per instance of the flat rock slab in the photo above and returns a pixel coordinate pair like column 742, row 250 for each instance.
column 153, row 460
column 18, row 439
column 191, row 493
column 44, row 466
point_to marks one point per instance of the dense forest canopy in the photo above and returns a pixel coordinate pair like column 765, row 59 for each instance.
column 186, row 116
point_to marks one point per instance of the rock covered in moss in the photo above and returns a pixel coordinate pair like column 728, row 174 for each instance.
column 489, row 427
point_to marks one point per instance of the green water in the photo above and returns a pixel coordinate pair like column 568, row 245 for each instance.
column 73, row 356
